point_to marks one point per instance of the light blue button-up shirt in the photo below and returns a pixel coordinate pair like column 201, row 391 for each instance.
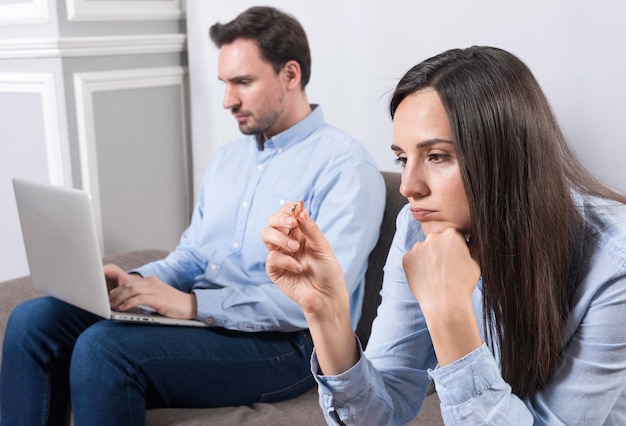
column 221, row 256
column 389, row 382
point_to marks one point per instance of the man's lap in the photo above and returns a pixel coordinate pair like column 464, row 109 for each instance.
column 193, row 367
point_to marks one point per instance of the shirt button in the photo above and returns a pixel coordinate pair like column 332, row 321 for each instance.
column 245, row 204
column 279, row 150
column 235, row 245
column 209, row 320
column 213, row 267
column 282, row 202
column 260, row 167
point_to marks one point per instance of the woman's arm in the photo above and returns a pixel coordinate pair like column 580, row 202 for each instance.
column 302, row 264
column 588, row 388
column 442, row 276
column 389, row 383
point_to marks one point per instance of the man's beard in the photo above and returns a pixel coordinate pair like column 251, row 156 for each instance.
column 264, row 122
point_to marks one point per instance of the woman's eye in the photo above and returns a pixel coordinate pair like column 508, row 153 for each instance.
column 401, row 161
column 437, row 158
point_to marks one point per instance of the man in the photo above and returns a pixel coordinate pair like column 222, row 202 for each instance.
column 257, row 347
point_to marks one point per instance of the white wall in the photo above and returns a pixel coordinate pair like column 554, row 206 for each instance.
column 360, row 48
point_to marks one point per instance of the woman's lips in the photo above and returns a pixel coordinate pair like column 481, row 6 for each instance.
column 420, row 214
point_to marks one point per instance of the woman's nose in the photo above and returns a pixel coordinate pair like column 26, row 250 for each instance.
column 413, row 183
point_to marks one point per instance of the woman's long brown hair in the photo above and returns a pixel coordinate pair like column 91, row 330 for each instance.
column 518, row 171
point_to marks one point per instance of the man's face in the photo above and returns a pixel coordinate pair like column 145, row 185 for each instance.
column 254, row 92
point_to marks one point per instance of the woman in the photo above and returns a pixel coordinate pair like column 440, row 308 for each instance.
column 506, row 279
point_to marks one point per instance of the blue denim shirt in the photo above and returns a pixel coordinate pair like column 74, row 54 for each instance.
column 389, row 382
column 221, row 257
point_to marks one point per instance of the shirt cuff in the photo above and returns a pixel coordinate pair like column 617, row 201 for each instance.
column 467, row 377
column 144, row 271
column 209, row 301
column 345, row 386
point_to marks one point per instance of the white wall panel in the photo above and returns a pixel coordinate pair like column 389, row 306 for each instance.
column 42, row 84
column 31, row 149
column 91, row 140
column 99, row 10
column 18, row 13
column 104, row 42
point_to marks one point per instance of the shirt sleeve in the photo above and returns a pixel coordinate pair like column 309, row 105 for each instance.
column 472, row 391
column 348, row 208
column 389, row 383
column 182, row 265
column 591, row 377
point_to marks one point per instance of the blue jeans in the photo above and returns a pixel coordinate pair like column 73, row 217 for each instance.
column 114, row 371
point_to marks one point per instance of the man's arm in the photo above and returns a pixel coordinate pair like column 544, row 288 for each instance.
column 348, row 207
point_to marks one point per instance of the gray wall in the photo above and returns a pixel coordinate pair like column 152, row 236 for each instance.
column 576, row 48
column 94, row 95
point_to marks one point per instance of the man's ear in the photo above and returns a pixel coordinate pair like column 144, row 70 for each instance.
column 291, row 74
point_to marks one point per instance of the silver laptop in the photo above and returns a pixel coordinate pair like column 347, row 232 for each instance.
column 63, row 252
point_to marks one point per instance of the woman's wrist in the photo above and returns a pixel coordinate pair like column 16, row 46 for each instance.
column 454, row 333
column 334, row 340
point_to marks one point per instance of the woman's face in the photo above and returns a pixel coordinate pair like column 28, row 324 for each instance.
column 431, row 177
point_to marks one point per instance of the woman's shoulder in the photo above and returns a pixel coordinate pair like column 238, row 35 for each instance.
column 601, row 268
column 605, row 223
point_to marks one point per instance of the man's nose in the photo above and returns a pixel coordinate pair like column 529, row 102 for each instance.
column 230, row 98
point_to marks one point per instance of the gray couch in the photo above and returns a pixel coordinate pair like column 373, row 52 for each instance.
column 303, row 410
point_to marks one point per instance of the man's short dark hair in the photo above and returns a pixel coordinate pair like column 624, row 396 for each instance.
column 278, row 35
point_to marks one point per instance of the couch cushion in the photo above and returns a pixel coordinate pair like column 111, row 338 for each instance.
column 302, row 411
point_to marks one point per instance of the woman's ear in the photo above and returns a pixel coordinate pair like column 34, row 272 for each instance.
column 291, row 74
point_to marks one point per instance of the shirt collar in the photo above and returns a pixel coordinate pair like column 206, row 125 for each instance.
column 295, row 133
